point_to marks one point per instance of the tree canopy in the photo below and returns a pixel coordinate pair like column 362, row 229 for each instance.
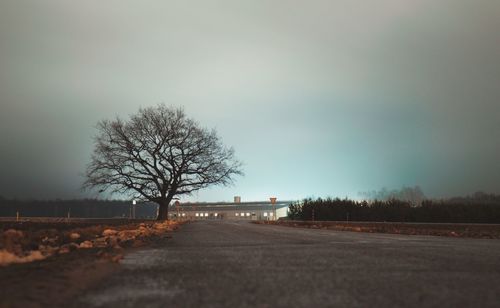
column 157, row 154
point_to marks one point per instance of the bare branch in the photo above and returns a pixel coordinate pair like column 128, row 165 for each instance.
column 157, row 154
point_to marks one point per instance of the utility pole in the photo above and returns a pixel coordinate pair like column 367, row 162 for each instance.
column 177, row 204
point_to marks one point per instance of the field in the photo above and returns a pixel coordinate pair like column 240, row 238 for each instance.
column 491, row 231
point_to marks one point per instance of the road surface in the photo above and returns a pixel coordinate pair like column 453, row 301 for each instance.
column 239, row 264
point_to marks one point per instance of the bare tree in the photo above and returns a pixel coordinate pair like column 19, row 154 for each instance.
column 158, row 154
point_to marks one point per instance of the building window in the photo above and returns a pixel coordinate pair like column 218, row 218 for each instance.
column 265, row 214
column 196, row 214
column 215, row 214
column 236, row 214
column 271, row 214
column 248, row 214
column 206, row 214
column 242, row 214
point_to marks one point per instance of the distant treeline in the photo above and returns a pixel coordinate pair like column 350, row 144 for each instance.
column 413, row 195
column 85, row 208
column 478, row 208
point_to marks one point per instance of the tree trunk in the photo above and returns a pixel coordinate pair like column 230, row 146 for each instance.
column 163, row 210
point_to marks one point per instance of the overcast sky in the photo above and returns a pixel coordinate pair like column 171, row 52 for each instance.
column 318, row 98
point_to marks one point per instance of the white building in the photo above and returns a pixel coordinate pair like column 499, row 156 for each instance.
column 262, row 210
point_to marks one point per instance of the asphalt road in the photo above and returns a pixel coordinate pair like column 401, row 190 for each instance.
column 239, row 264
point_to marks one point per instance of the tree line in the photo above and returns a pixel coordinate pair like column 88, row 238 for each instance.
column 477, row 208
column 84, row 208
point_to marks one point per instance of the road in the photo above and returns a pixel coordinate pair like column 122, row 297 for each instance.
column 239, row 264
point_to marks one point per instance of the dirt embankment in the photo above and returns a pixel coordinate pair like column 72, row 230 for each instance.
column 23, row 242
column 71, row 257
column 453, row 230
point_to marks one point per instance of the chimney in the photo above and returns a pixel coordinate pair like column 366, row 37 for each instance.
column 237, row 199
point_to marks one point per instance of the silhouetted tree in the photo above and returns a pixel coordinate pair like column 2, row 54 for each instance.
column 478, row 208
column 295, row 210
column 158, row 154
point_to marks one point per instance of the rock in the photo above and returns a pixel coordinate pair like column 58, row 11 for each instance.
column 74, row 236
column 100, row 242
column 127, row 235
column 7, row 258
column 145, row 231
column 47, row 250
column 86, row 244
column 109, row 232
column 34, row 256
column 68, row 248
column 112, row 240
column 11, row 241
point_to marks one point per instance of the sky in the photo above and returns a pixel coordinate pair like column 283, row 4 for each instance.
column 318, row 98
